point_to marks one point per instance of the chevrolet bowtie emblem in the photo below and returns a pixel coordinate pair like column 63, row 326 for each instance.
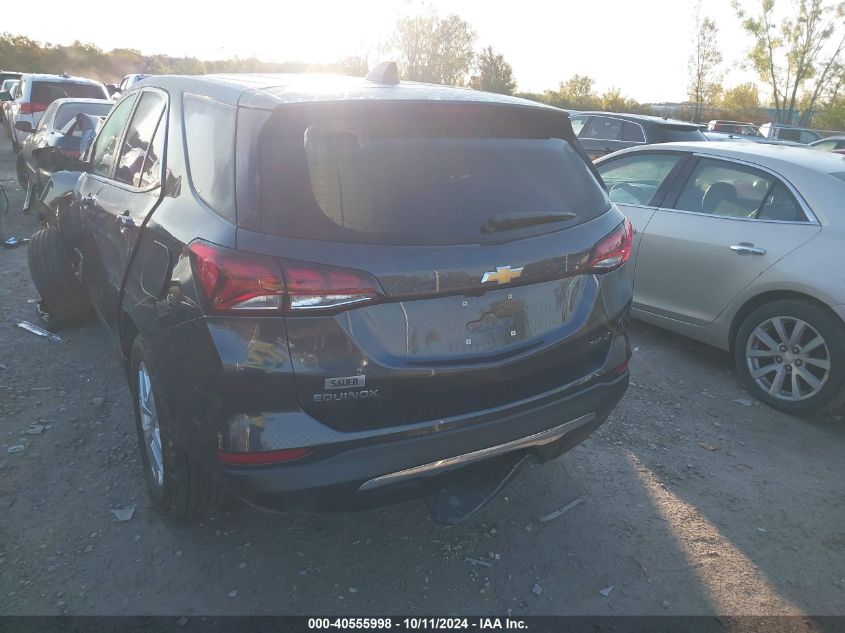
column 503, row 275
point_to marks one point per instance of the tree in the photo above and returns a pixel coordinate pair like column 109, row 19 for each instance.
column 493, row 73
column 799, row 54
column 704, row 61
column 354, row 65
column 433, row 49
column 742, row 102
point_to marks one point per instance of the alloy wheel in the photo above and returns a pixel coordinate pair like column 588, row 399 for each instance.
column 788, row 358
column 149, row 425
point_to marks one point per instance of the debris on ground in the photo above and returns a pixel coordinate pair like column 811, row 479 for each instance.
column 707, row 447
column 553, row 515
column 12, row 242
column 536, row 589
column 606, row 591
column 353, row 590
column 98, row 402
column 89, row 549
column 665, row 604
column 34, row 429
column 17, row 448
column 123, row 514
column 475, row 561
column 233, row 593
column 40, row 331
column 182, row 621
column 744, row 402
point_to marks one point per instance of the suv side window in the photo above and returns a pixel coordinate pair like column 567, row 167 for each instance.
column 105, row 146
column 632, row 132
column 635, row 178
column 604, row 128
column 210, row 136
column 139, row 143
column 725, row 189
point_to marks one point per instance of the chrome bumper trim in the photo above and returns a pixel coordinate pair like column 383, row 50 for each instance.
column 434, row 468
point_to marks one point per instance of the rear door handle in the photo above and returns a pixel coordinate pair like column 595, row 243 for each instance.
column 747, row 248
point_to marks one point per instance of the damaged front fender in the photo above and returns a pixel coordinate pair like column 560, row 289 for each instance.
column 56, row 196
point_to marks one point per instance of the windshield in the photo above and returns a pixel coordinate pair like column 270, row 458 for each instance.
column 415, row 173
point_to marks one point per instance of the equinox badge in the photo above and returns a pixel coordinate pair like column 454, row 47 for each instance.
column 503, row 275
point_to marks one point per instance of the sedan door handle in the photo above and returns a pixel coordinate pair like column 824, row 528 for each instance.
column 747, row 248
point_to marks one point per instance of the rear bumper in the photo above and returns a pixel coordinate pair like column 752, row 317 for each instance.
column 385, row 470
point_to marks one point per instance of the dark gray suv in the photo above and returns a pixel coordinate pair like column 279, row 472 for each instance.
column 336, row 292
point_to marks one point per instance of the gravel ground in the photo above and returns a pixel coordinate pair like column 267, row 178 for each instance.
column 696, row 500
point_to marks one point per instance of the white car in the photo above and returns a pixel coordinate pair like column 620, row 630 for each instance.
column 737, row 245
column 36, row 92
column 128, row 82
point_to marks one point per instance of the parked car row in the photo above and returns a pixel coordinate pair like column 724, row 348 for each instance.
column 50, row 111
column 334, row 292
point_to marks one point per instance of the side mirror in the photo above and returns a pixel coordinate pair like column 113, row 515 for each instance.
column 5, row 95
column 24, row 126
column 115, row 96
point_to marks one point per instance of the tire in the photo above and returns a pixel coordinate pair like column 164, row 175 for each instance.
column 23, row 174
column 180, row 488
column 51, row 268
column 795, row 375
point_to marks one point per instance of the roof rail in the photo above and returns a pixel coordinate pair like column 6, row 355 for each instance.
column 384, row 73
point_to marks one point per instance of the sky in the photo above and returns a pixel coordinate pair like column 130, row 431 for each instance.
column 638, row 46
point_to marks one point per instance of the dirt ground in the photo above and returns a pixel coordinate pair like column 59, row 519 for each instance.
column 695, row 501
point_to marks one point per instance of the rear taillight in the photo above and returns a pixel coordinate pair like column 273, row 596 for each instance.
column 263, row 457
column 28, row 107
column 237, row 281
column 316, row 287
column 613, row 250
column 233, row 280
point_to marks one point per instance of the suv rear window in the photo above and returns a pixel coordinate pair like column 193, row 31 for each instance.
column 49, row 91
column 417, row 173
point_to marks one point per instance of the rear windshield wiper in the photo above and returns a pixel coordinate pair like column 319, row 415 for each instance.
column 508, row 221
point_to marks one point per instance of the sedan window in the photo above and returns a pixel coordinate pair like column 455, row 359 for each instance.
column 724, row 188
column 780, row 205
column 635, row 178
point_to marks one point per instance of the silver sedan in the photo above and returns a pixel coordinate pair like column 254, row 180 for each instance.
column 737, row 245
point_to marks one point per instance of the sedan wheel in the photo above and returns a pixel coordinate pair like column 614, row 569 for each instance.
column 791, row 355
column 788, row 358
column 150, row 426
